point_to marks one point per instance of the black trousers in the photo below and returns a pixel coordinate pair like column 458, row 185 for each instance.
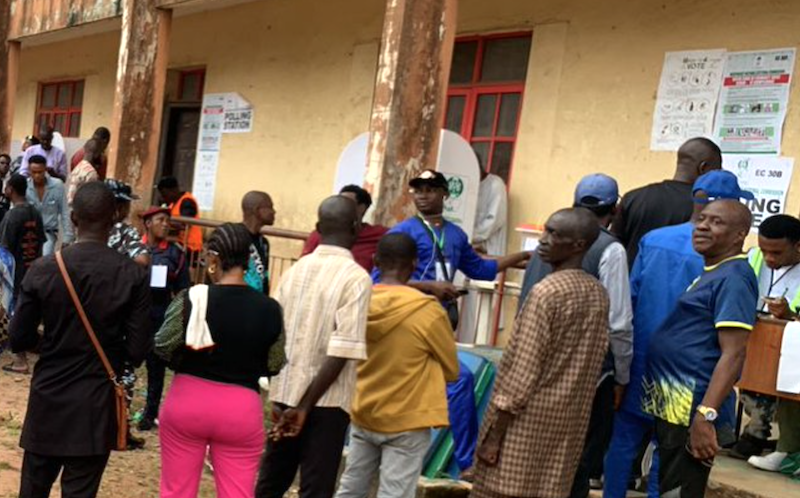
column 80, row 478
column 598, row 437
column 156, row 370
column 680, row 474
column 317, row 452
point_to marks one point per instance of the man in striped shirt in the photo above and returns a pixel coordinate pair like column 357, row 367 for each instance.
column 325, row 299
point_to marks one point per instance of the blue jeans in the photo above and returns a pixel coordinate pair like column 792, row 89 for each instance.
column 630, row 430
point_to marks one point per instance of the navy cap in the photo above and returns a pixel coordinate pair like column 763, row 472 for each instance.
column 429, row 177
column 720, row 184
column 596, row 190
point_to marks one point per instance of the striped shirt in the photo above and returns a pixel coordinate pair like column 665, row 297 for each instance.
column 325, row 299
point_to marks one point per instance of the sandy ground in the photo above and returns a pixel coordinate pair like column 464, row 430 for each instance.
column 130, row 474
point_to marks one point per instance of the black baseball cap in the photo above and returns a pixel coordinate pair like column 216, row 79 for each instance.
column 121, row 190
column 431, row 178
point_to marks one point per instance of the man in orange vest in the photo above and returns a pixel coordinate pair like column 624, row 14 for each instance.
column 182, row 204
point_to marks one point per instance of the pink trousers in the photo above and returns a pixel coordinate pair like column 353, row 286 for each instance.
column 199, row 414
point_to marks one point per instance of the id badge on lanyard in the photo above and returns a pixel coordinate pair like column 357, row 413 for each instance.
column 440, row 276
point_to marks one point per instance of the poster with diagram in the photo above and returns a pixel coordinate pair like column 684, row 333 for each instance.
column 687, row 97
column 209, row 142
column 753, row 101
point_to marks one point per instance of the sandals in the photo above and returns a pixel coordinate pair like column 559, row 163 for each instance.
column 12, row 369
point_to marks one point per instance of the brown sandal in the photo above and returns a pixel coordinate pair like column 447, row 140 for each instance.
column 12, row 369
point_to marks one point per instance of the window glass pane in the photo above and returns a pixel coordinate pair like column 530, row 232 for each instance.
column 455, row 113
column 64, row 95
column 75, row 124
column 484, row 116
column 506, row 59
column 44, row 120
column 509, row 110
column 501, row 160
column 60, row 123
column 463, row 67
column 77, row 95
column 191, row 89
column 482, row 151
column 49, row 96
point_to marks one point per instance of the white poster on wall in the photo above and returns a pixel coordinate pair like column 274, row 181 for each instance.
column 687, row 97
column 753, row 101
column 767, row 177
column 238, row 114
column 209, row 141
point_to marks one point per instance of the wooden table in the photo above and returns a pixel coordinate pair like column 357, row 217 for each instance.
column 760, row 373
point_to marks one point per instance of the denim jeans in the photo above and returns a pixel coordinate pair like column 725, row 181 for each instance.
column 397, row 457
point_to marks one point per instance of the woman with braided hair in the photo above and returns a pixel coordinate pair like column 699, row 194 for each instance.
column 219, row 339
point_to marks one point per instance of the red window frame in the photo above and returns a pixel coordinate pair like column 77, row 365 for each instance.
column 473, row 90
column 201, row 73
column 49, row 116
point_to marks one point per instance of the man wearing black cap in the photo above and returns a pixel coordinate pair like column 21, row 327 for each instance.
column 442, row 249
column 125, row 238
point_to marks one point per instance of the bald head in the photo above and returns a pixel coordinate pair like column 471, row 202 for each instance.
column 337, row 219
column 568, row 234
column 721, row 229
column 696, row 157
column 257, row 210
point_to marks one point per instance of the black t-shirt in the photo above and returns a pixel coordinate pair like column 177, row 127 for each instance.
column 244, row 325
column 22, row 233
column 647, row 208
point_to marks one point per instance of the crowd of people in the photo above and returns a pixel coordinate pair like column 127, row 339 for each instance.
column 631, row 332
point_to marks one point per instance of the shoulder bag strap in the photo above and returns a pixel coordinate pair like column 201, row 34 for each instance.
column 437, row 251
column 88, row 326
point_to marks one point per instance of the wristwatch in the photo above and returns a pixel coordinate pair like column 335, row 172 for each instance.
column 708, row 413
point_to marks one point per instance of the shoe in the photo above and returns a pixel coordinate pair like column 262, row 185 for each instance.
column 770, row 463
column 146, row 424
column 135, row 443
column 748, row 446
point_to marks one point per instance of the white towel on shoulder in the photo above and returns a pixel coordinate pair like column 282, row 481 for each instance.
column 198, row 335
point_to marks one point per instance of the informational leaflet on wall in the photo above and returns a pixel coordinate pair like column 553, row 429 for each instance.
column 767, row 177
column 209, row 141
column 753, row 101
column 238, row 114
column 687, row 97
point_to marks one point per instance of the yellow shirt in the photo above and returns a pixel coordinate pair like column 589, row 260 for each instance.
column 411, row 354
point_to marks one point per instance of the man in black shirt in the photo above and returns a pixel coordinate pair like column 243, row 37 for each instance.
column 71, row 423
column 666, row 203
column 22, row 233
column 258, row 212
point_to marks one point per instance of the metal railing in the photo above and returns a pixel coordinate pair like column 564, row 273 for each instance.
column 488, row 310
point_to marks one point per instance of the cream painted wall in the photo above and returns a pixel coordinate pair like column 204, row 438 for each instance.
column 93, row 58
column 308, row 68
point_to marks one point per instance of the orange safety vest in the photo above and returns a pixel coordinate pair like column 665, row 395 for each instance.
column 195, row 240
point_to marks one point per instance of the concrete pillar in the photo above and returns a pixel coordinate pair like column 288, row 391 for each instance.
column 409, row 100
column 139, row 94
column 9, row 71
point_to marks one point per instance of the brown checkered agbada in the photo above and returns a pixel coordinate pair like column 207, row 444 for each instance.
column 547, row 379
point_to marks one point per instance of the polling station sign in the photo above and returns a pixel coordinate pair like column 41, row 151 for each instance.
column 767, row 177
column 238, row 121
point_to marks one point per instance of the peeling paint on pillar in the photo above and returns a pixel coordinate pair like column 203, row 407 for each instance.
column 9, row 62
column 409, row 98
column 139, row 93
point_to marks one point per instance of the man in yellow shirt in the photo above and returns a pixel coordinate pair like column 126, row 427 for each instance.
column 400, row 391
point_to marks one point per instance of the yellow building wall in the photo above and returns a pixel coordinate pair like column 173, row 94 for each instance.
column 308, row 69
column 92, row 58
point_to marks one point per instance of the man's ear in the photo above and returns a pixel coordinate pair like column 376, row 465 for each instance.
column 73, row 218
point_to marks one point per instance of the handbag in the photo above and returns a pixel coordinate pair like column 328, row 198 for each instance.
column 119, row 390
column 450, row 306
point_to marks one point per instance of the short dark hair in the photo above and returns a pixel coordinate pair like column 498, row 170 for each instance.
column 780, row 226
column 599, row 211
column 231, row 242
column 18, row 183
column 362, row 196
column 395, row 249
column 102, row 133
column 167, row 183
column 37, row 159
column 94, row 204
column 6, row 156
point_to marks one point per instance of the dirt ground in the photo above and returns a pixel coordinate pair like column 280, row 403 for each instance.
column 130, row 474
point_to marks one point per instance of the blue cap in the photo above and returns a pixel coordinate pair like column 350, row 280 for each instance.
column 596, row 190
column 721, row 184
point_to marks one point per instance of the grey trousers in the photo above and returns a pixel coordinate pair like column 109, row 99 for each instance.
column 397, row 458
